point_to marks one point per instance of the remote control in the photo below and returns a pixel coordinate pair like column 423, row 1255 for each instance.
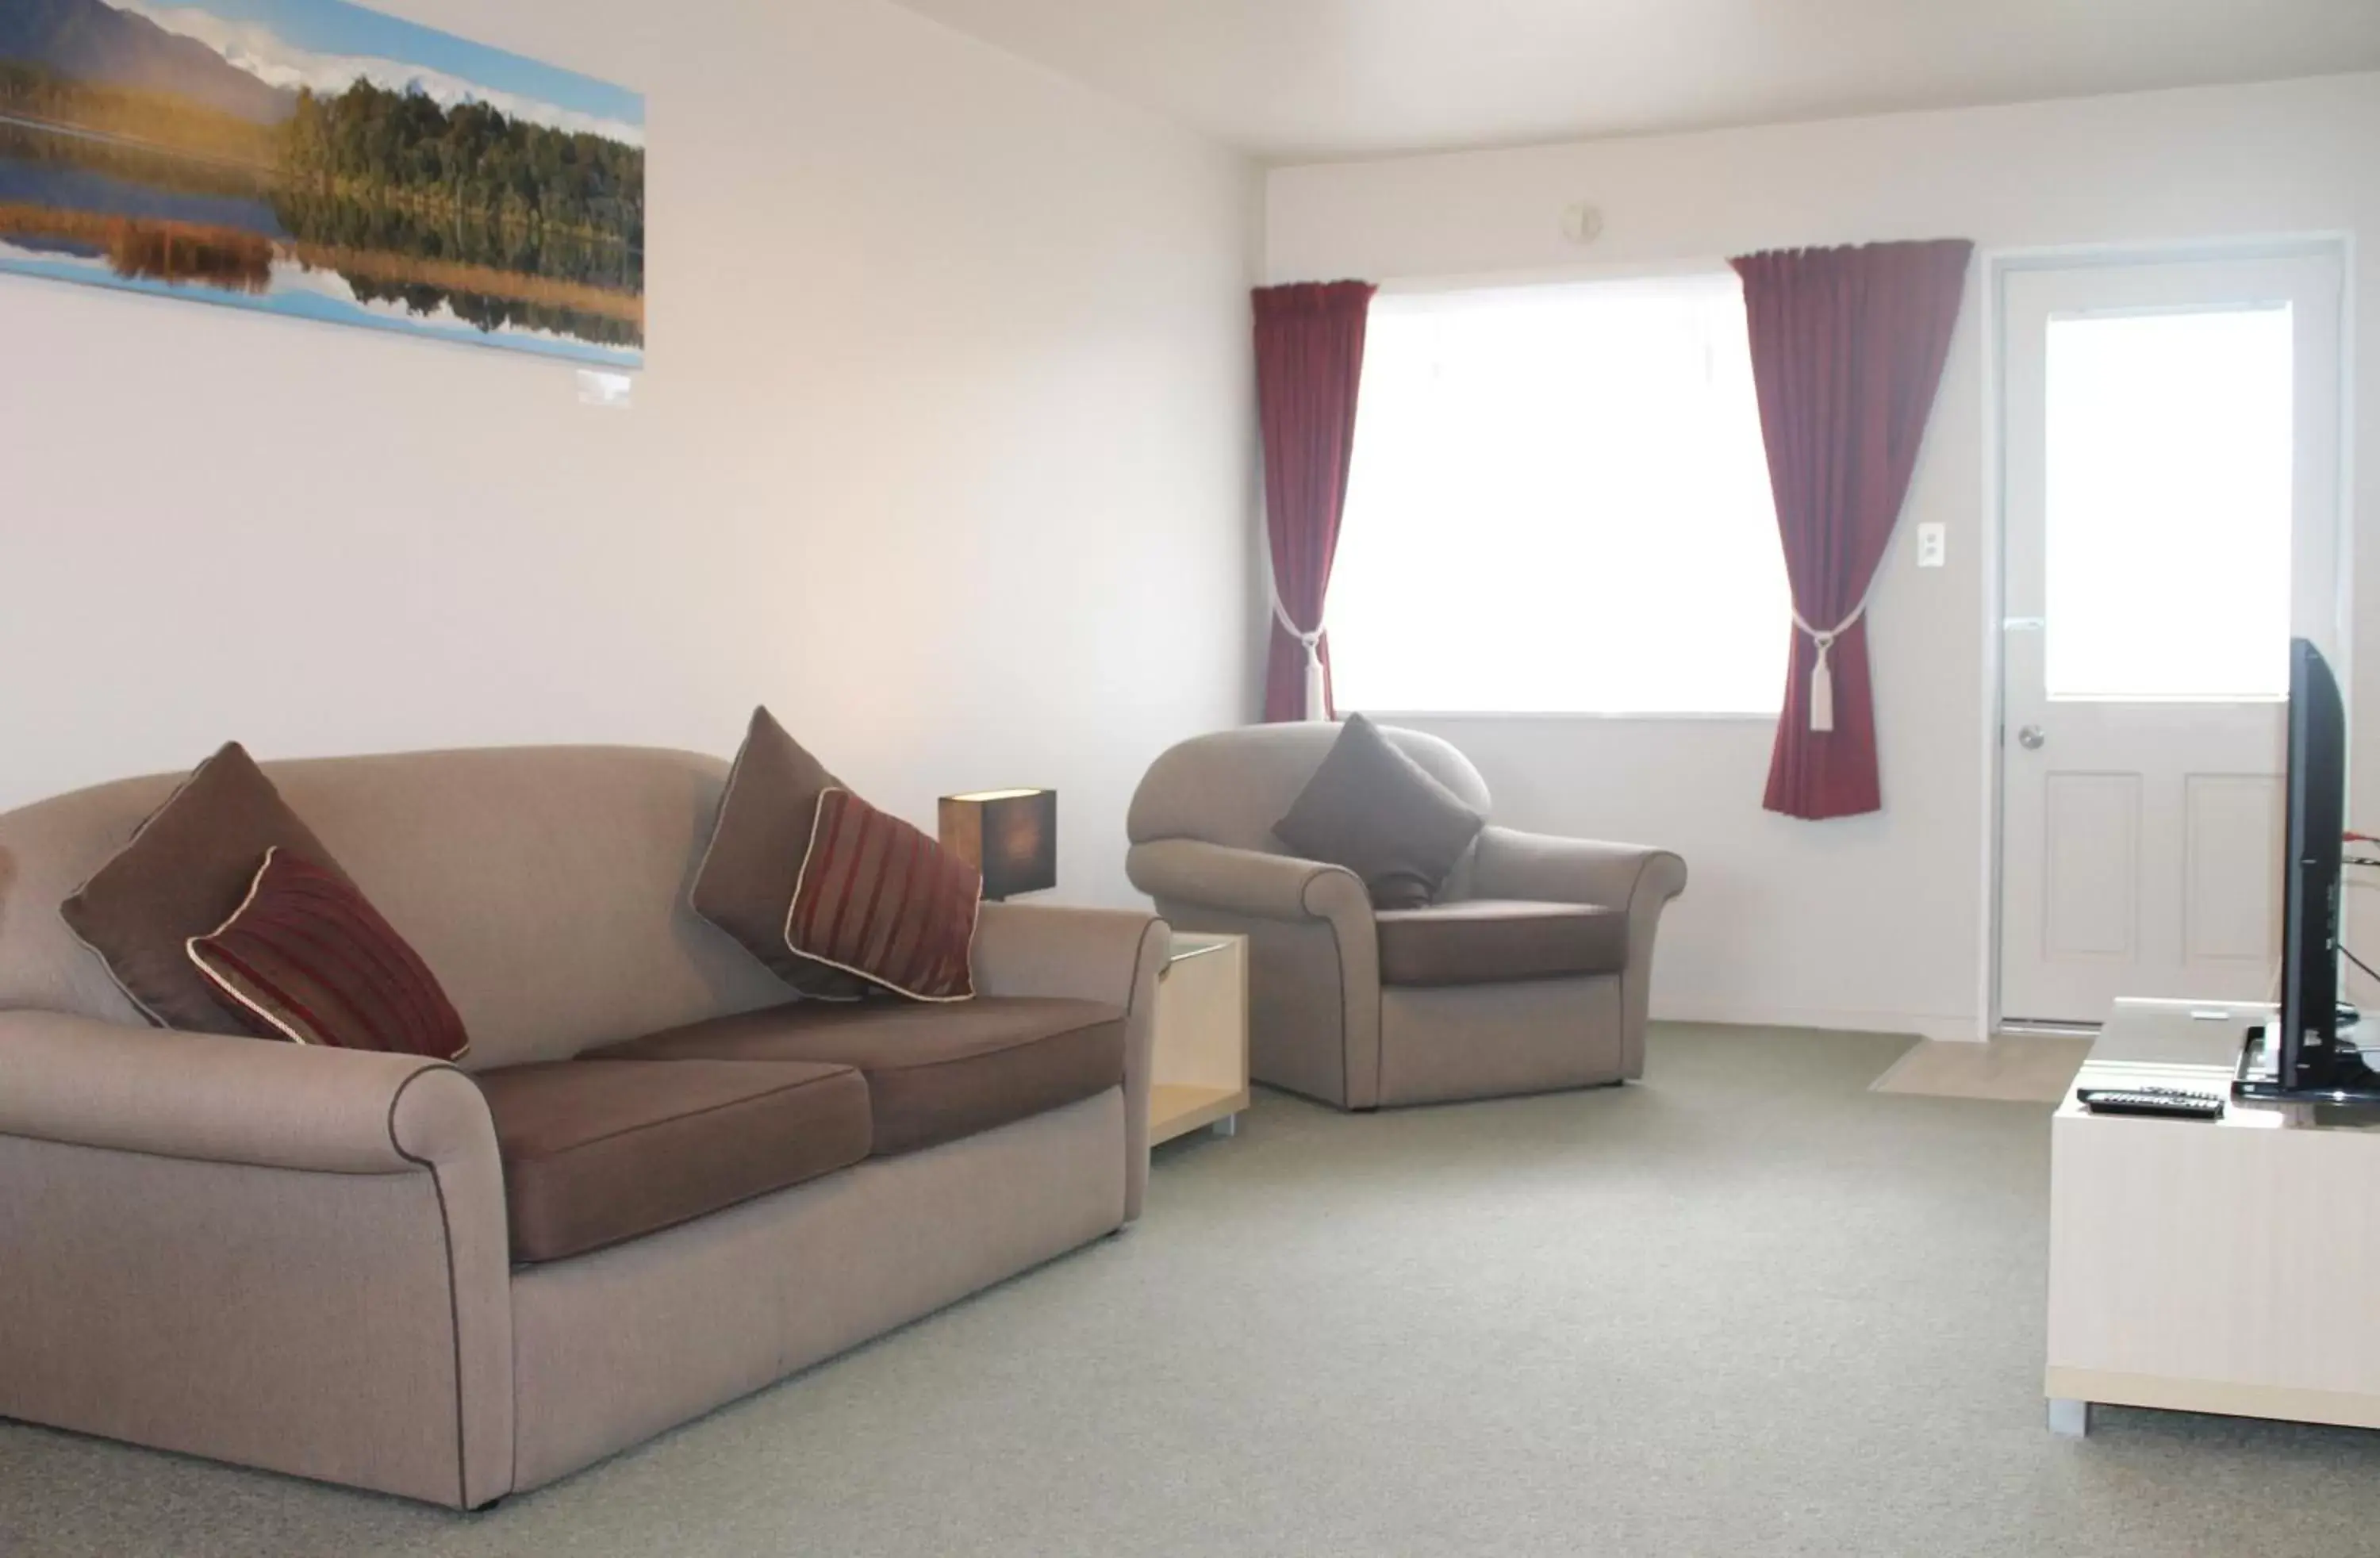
column 2174, row 1102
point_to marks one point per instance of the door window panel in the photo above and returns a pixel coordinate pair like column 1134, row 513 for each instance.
column 2168, row 505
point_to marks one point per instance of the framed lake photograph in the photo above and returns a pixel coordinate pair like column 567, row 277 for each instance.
column 319, row 160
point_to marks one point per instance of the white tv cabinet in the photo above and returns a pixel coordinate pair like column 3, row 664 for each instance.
column 2226, row 1267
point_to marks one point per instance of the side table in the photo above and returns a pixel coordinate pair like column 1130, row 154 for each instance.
column 1200, row 1073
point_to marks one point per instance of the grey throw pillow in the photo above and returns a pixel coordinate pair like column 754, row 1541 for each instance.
column 1376, row 811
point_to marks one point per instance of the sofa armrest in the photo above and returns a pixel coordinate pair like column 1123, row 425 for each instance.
column 1043, row 949
column 286, row 1257
column 1110, row 956
column 219, row 1099
column 1248, row 881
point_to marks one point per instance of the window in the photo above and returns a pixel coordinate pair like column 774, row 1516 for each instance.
column 1559, row 504
column 2169, row 505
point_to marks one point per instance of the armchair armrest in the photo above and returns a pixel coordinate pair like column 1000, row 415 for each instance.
column 1110, row 956
column 1248, row 881
column 1513, row 864
column 1314, row 948
column 219, row 1099
column 1632, row 878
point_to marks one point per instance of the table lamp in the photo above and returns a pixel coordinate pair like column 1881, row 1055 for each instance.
column 1009, row 835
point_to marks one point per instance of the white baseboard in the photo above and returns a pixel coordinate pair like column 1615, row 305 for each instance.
column 1960, row 1026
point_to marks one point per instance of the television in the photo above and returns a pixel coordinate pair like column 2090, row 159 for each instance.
column 2305, row 1056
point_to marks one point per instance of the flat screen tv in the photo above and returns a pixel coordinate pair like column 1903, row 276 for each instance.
column 2306, row 1057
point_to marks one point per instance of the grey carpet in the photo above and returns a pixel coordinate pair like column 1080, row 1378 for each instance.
column 1746, row 1308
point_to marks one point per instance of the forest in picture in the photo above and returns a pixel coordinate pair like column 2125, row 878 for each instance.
column 316, row 159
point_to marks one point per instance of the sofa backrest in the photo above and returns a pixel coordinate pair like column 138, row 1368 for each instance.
column 1232, row 786
column 545, row 886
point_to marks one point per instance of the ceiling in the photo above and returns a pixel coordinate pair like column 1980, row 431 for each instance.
column 1291, row 80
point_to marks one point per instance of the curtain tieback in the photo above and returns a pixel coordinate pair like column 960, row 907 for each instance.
column 1318, row 692
column 1822, row 674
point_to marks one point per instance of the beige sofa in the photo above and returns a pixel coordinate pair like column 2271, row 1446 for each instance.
column 1532, row 972
column 298, row 1259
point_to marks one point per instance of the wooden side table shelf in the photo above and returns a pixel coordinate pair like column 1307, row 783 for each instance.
column 1200, row 1075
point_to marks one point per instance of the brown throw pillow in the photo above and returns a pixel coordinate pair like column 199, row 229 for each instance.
column 1376, row 811
column 305, row 957
column 880, row 899
column 184, row 873
column 745, row 882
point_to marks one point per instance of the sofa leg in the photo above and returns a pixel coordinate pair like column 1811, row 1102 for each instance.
column 492, row 1503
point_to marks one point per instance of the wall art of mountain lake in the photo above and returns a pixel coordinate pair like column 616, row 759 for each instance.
column 315, row 159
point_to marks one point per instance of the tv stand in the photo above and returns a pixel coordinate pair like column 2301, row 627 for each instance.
column 2259, row 1078
column 2209, row 1267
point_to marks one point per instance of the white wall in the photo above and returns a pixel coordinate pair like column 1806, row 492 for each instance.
column 942, row 451
column 1874, row 921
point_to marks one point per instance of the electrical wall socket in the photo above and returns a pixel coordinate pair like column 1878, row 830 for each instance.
column 1932, row 543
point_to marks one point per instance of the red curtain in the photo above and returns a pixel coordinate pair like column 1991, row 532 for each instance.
column 1309, row 361
column 1847, row 350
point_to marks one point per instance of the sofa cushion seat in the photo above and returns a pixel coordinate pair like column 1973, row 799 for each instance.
column 935, row 1073
column 1496, row 940
column 598, row 1151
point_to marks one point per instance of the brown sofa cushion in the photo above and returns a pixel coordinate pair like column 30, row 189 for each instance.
column 745, row 882
column 935, row 1073
column 1495, row 941
column 879, row 900
column 1376, row 811
column 305, row 957
column 598, row 1151
column 185, row 872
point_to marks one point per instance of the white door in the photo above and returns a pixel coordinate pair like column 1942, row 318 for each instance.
column 2171, row 438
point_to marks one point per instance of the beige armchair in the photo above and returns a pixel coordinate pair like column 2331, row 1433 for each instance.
column 1532, row 972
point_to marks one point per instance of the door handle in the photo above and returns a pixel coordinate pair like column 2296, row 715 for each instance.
column 2031, row 738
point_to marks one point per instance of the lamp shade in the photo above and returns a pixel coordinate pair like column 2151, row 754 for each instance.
column 1010, row 836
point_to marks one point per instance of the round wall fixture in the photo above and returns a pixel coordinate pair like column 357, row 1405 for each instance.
column 1581, row 223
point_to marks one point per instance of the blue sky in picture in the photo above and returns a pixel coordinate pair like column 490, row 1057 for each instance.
column 327, row 43
column 332, row 27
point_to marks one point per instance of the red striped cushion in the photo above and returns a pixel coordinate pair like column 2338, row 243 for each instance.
column 305, row 958
column 881, row 900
